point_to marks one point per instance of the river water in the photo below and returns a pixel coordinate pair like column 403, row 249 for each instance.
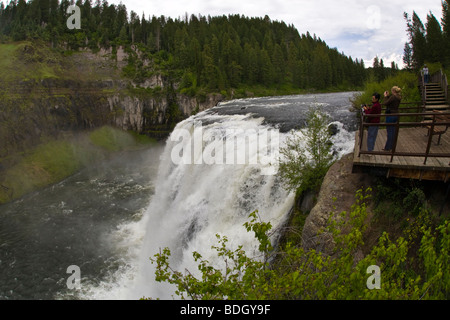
column 109, row 219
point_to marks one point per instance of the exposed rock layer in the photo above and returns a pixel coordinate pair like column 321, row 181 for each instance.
column 32, row 110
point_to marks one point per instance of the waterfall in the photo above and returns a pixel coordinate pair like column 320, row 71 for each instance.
column 216, row 169
column 197, row 199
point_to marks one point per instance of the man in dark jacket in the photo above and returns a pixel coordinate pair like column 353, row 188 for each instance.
column 372, row 131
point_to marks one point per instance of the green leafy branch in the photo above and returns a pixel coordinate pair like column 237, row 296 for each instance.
column 298, row 273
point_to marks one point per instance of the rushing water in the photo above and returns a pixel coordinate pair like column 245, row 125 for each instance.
column 79, row 221
column 108, row 220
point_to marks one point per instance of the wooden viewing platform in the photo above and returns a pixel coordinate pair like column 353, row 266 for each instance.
column 416, row 155
column 422, row 138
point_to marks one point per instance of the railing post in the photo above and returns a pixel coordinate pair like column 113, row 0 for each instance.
column 425, row 94
column 397, row 129
column 430, row 138
column 361, row 133
column 419, row 110
column 444, row 84
column 422, row 85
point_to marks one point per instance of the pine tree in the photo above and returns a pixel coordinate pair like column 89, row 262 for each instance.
column 250, row 64
column 416, row 32
column 321, row 66
column 381, row 71
column 209, row 70
column 375, row 67
column 194, row 57
column 446, row 31
column 434, row 39
column 266, row 68
column 376, row 63
column 407, row 57
column 278, row 62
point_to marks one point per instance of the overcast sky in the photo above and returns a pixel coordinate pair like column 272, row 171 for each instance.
column 361, row 29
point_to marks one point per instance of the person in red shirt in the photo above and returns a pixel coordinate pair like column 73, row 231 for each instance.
column 373, row 130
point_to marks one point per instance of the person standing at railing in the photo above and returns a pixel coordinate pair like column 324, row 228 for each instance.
column 392, row 102
column 372, row 131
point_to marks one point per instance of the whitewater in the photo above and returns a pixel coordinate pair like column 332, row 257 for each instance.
column 109, row 219
column 194, row 201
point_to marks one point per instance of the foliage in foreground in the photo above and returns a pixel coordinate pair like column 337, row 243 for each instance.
column 295, row 273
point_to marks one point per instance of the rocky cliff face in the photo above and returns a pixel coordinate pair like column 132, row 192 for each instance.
column 44, row 92
column 83, row 91
column 148, row 114
column 340, row 184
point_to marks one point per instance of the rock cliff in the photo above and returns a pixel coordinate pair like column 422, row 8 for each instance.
column 45, row 94
column 340, row 184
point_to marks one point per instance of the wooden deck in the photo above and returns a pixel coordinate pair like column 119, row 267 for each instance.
column 410, row 141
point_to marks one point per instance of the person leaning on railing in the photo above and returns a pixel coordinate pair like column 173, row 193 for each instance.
column 392, row 102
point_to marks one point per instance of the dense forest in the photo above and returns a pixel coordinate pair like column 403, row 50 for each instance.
column 214, row 53
column 429, row 43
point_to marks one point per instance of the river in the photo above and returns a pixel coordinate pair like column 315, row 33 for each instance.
column 107, row 220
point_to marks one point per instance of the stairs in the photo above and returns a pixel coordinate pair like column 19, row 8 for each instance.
column 435, row 98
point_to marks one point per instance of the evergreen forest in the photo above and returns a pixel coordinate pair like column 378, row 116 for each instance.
column 429, row 42
column 211, row 53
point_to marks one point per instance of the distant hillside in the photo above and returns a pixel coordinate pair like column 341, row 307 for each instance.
column 199, row 53
column 138, row 74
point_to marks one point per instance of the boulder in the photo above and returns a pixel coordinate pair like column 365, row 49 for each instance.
column 340, row 184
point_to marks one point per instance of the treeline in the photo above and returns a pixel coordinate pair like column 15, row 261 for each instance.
column 379, row 72
column 429, row 43
column 211, row 52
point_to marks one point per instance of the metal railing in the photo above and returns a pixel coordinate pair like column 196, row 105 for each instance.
column 419, row 117
column 423, row 88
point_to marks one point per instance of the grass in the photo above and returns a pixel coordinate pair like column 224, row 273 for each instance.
column 55, row 160
column 110, row 139
column 35, row 60
column 46, row 164
column 7, row 53
column 264, row 91
column 28, row 61
column 259, row 90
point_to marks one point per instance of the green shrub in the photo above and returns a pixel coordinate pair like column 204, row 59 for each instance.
column 404, row 197
column 310, row 274
column 408, row 81
column 307, row 156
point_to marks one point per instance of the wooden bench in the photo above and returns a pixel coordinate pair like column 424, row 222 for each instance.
column 438, row 129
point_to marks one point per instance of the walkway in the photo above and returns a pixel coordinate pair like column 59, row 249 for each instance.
column 405, row 162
